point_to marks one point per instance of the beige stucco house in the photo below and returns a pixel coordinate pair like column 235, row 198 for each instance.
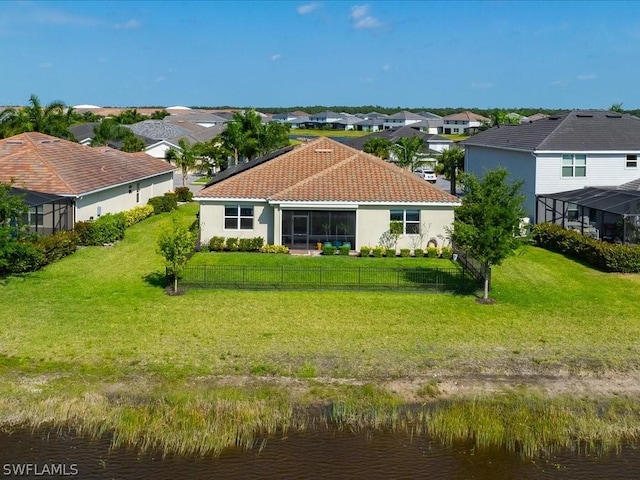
column 323, row 191
column 94, row 181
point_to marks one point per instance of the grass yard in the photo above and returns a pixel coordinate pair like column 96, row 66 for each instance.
column 98, row 324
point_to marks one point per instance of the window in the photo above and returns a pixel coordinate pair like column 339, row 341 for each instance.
column 632, row 161
column 238, row 217
column 572, row 212
column 574, row 165
column 410, row 220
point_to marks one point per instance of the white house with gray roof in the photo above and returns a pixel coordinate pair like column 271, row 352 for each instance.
column 569, row 151
column 402, row 119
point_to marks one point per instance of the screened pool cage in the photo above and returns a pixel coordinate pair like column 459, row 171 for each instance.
column 608, row 214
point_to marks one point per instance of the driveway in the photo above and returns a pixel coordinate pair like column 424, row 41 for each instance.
column 177, row 181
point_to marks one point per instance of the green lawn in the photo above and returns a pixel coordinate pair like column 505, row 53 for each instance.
column 103, row 310
column 93, row 342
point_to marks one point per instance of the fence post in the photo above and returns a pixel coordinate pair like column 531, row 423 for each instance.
column 281, row 276
column 398, row 279
column 359, row 278
column 244, row 271
column 320, row 268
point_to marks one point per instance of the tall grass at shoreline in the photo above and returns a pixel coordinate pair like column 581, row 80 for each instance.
column 208, row 421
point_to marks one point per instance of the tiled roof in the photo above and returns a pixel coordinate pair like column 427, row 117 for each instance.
column 327, row 171
column 50, row 165
column 466, row 116
column 577, row 130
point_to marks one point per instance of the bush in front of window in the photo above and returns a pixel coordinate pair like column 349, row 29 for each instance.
column 231, row 245
column 329, row 250
column 345, row 249
column 390, row 253
column 418, row 253
column 250, row 244
column 216, row 244
column 378, row 252
column 365, row 251
column 405, row 252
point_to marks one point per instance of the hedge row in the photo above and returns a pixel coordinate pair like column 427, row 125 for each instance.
column 32, row 255
column 606, row 256
column 231, row 244
column 165, row 203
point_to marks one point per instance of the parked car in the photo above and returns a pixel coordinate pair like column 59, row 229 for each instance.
column 426, row 174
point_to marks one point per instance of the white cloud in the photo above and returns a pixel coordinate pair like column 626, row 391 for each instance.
column 559, row 83
column 367, row 80
column 159, row 79
column 482, row 85
column 128, row 25
column 308, row 8
column 55, row 17
column 588, row 76
column 361, row 18
column 45, row 65
column 276, row 56
column 386, row 68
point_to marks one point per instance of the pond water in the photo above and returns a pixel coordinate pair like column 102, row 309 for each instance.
column 320, row 454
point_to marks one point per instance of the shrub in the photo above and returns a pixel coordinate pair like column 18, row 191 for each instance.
column 231, row 244
column 365, row 251
column 21, row 257
column 405, row 252
column 447, row 252
column 84, row 231
column 345, row 249
column 250, row 244
column 274, row 249
column 58, row 245
column 390, row 252
column 165, row 203
column 183, row 194
column 418, row 253
column 329, row 250
column 216, row 244
column 432, row 252
column 108, row 228
column 606, row 256
column 137, row 214
column 378, row 252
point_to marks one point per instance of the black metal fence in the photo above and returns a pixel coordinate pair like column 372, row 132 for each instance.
column 329, row 278
column 473, row 266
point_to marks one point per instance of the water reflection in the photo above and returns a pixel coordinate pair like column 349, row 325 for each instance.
column 321, row 454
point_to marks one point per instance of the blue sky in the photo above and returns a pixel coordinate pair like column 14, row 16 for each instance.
column 482, row 54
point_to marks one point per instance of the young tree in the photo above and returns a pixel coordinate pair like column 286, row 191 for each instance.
column 175, row 245
column 487, row 223
column 451, row 162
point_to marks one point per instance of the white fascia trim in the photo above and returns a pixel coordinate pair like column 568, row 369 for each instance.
column 229, row 200
column 125, row 183
column 598, row 152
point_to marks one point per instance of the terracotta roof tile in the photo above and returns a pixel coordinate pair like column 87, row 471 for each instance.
column 47, row 164
column 326, row 170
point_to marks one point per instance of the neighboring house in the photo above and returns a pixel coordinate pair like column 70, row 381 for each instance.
column 83, row 132
column 203, row 119
column 434, row 143
column 96, row 180
column 369, row 125
column 324, row 118
column 167, row 135
column 324, row 191
column 463, row 123
column 572, row 150
column 402, row 119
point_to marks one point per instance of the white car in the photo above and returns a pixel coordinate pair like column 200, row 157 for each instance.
column 426, row 174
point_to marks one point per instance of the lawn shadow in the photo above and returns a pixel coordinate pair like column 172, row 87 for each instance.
column 156, row 279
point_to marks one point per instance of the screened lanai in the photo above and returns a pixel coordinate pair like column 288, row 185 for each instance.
column 47, row 213
column 609, row 214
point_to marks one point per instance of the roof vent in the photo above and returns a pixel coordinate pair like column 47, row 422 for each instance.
column 14, row 142
column 554, row 117
column 613, row 115
column 584, row 115
column 324, row 150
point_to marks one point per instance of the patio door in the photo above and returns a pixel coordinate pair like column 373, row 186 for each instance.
column 300, row 230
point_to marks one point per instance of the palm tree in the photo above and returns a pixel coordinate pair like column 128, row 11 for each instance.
column 451, row 162
column 53, row 119
column 211, row 155
column 272, row 136
column 185, row 158
column 406, row 150
column 108, row 130
column 243, row 135
column 378, row 146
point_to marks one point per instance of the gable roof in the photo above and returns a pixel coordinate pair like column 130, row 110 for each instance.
column 577, row 130
column 405, row 115
column 51, row 165
column 324, row 170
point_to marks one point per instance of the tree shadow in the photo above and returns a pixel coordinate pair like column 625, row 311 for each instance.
column 156, row 279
